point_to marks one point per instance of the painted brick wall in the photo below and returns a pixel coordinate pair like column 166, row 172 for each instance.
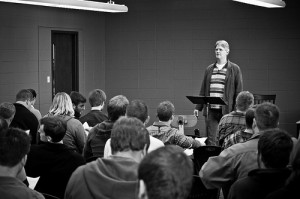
column 159, row 50
column 25, row 49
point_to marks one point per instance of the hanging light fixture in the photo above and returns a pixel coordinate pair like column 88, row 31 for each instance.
column 265, row 3
column 75, row 4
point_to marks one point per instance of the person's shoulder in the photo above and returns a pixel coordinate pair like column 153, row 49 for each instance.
column 240, row 148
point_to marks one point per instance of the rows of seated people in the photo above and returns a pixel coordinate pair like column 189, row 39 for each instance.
column 116, row 154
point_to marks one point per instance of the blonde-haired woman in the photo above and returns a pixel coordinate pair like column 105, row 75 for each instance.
column 75, row 136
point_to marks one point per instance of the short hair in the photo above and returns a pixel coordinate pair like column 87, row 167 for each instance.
column 14, row 145
column 61, row 105
column 3, row 124
column 244, row 100
column 275, row 146
column 223, row 43
column 55, row 127
column 165, row 110
column 77, row 98
column 129, row 133
column 117, row 107
column 7, row 110
column 97, row 97
column 137, row 108
column 266, row 116
column 249, row 116
column 24, row 95
column 167, row 173
column 32, row 92
column 293, row 179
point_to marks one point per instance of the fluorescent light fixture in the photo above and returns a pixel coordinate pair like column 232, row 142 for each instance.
column 265, row 3
column 75, row 4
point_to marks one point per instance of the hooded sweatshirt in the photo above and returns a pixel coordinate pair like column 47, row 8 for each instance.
column 113, row 178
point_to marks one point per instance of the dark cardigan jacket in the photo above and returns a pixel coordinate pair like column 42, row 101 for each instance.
column 233, row 85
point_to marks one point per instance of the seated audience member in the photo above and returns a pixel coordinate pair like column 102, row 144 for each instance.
column 14, row 146
column 7, row 111
column 165, row 173
column 36, row 112
column 274, row 148
column 137, row 109
column 291, row 188
column 99, row 134
column 241, row 135
column 235, row 120
column 78, row 101
column 97, row 99
column 3, row 124
column 114, row 177
column 52, row 161
column 24, row 118
column 163, row 130
column 236, row 161
column 75, row 136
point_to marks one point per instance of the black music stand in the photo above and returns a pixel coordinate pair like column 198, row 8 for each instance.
column 207, row 100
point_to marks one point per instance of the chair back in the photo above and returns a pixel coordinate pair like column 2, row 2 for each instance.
column 49, row 196
column 200, row 156
column 199, row 191
column 258, row 98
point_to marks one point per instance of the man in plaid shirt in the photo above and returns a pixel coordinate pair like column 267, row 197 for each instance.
column 235, row 120
column 241, row 135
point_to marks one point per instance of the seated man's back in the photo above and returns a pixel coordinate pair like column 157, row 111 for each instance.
column 163, row 131
column 15, row 144
column 114, row 177
column 53, row 161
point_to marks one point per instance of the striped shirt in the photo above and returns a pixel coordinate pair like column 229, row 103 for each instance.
column 217, row 84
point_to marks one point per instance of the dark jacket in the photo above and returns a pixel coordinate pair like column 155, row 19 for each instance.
column 54, row 163
column 97, row 137
column 93, row 118
column 259, row 183
column 26, row 120
column 233, row 86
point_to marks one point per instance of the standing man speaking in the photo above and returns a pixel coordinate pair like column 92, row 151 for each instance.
column 221, row 79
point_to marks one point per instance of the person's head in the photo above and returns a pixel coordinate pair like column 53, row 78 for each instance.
column 129, row 134
column 266, row 116
column 25, row 96
column 53, row 128
column 14, row 147
column 78, row 101
column 3, row 124
column 7, row 111
column 274, row 148
column 33, row 96
column 61, row 105
column 117, row 107
column 165, row 173
column 249, row 116
column 244, row 100
column 294, row 178
column 138, row 108
column 97, row 97
column 221, row 49
column 165, row 111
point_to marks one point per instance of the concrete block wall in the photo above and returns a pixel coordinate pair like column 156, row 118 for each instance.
column 159, row 50
column 25, row 49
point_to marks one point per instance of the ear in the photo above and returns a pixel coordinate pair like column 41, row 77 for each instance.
column 24, row 160
column 142, row 190
column 147, row 120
